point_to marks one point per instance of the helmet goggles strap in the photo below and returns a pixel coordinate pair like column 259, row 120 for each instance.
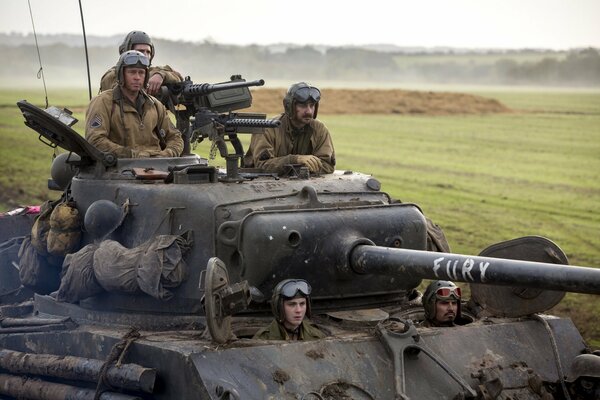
column 291, row 288
column 305, row 94
column 447, row 293
column 135, row 59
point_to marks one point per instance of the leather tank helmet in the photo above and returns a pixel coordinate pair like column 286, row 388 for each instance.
column 136, row 37
column 440, row 290
column 286, row 290
column 301, row 92
column 132, row 58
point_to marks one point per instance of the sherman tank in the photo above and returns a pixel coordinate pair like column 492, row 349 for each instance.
column 174, row 260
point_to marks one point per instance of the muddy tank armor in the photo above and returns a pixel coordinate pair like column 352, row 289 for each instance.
column 220, row 239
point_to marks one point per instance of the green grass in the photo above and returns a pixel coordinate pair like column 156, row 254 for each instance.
column 484, row 179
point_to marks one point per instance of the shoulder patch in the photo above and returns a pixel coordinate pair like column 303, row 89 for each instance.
column 96, row 122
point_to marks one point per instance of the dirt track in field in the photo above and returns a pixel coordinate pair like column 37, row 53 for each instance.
column 387, row 101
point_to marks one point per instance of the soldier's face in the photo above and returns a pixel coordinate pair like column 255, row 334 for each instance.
column 304, row 112
column 445, row 311
column 294, row 310
column 134, row 78
column 144, row 49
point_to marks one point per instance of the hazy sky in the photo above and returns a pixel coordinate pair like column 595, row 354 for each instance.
column 553, row 24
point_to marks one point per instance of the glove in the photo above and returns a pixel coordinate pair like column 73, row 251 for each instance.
column 144, row 153
column 313, row 163
column 167, row 153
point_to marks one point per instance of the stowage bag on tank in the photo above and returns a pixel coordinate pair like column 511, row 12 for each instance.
column 41, row 227
column 78, row 280
column 65, row 229
column 162, row 266
column 150, row 267
column 35, row 271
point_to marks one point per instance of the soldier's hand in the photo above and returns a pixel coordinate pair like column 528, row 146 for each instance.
column 313, row 163
column 145, row 154
column 154, row 84
column 167, row 153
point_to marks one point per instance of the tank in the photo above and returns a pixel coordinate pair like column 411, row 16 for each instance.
column 176, row 261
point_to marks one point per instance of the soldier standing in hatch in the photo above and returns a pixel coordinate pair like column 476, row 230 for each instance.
column 128, row 122
column 300, row 139
column 441, row 302
column 290, row 304
column 158, row 76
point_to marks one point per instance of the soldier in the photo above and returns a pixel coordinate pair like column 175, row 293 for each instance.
column 290, row 304
column 441, row 302
column 128, row 122
column 140, row 41
column 300, row 139
column 584, row 377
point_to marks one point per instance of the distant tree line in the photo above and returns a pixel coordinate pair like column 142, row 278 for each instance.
column 210, row 62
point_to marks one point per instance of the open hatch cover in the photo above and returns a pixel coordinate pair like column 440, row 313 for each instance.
column 58, row 134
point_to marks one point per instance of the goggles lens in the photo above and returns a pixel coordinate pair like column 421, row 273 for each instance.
column 291, row 288
column 305, row 94
column 135, row 59
column 446, row 293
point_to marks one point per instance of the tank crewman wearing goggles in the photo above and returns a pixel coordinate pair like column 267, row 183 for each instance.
column 441, row 302
column 290, row 304
column 126, row 120
column 158, row 76
column 300, row 139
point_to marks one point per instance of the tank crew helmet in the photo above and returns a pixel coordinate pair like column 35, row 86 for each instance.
column 440, row 290
column 103, row 217
column 136, row 37
column 300, row 92
column 286, row 290
column 131, row 58
column 584, row 366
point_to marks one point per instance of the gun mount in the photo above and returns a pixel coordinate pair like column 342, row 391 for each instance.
column 202, row 248
column 207, row 111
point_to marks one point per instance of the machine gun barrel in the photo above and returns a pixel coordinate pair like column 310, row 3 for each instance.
column 201, row 89
column 252, row 123
column 366, row 259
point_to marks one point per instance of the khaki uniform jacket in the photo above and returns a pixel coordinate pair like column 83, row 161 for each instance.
column 114, row 125
column 276, row 331
column 109, row 79
column 273, row 149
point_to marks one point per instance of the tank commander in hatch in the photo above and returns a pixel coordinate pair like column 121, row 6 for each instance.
column 441, row 302
column 158, row 76
column 129, row 122
column 290, row 304
column 300, row 139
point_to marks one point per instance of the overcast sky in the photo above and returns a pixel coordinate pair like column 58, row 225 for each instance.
column 551, row 24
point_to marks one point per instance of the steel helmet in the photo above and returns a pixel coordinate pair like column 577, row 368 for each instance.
column 287, row 290
column 301, row 92
column 136, row 37
column 584, row 365
column 132, row 58
column 62, row 171
column 440, row 290
column 102, row 218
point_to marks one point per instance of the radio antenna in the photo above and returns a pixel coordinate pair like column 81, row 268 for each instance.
column 40, row 73
column 87, row 60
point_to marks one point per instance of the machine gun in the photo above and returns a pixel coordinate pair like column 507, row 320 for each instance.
column 206, row 111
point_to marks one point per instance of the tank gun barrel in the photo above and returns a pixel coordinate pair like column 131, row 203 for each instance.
column 201, row 89
column 366, row 259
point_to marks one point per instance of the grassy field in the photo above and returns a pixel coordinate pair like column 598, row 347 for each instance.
column 483, row 178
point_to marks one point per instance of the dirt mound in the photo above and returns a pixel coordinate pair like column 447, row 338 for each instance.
column 392, row 101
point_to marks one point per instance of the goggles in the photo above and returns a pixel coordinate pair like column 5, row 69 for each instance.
column 448, row 293
column 135, row 59
column 291, row 288
column 305, row 94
